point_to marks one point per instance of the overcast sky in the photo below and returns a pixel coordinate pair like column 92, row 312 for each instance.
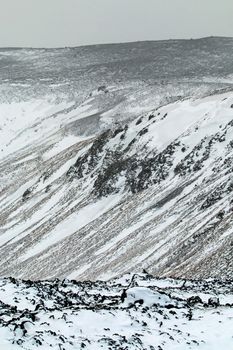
column 58, row 23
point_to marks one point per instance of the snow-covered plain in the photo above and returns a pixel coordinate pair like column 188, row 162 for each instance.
column 131, row 312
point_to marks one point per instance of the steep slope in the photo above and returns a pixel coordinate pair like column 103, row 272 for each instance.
column 155, row 194
column 113, row 159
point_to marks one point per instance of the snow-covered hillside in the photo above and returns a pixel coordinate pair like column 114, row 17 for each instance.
column 131, row 312
column 153, row 193
column 114, row 159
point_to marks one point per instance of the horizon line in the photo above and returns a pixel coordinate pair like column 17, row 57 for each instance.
column 110, row 43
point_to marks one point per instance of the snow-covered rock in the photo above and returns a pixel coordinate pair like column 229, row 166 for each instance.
column 91, row 315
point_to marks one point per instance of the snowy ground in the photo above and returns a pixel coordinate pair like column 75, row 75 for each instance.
column 131, row 312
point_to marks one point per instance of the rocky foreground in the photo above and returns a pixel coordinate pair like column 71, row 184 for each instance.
column 132, row 312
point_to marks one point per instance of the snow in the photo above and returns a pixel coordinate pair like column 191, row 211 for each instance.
column 149, row 228
column 148, row 297
column 19, row 117
column 72, row 315
column 23, row 123
column 64, row 229
column 207, row 113
column 73, row 223
column 65, row 143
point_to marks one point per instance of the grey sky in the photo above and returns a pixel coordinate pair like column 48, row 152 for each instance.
column 53, row 23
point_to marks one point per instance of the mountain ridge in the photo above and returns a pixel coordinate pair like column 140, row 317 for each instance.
column 210, row 37
column 108, row 165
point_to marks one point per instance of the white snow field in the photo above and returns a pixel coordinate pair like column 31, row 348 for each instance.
column 132, row 312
